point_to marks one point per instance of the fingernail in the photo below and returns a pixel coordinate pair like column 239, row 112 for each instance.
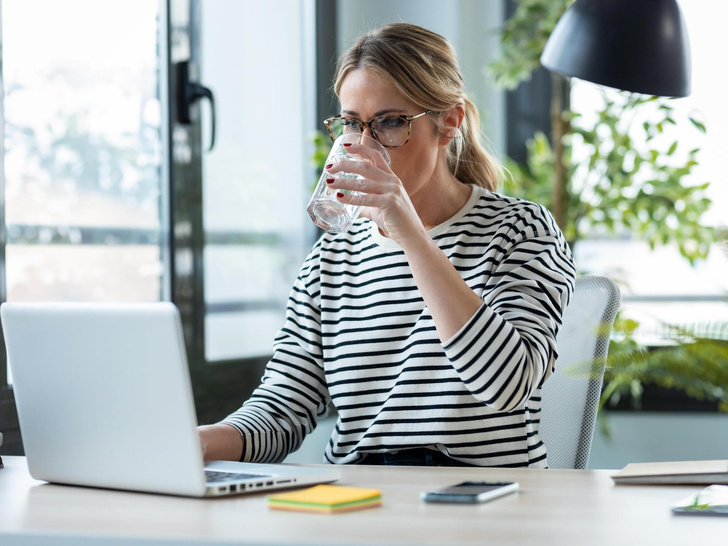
column 330, row 180
column 339, row 194
column 347, row 144
column 329, row 165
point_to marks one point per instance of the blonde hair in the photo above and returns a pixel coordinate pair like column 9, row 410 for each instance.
column 422, row 65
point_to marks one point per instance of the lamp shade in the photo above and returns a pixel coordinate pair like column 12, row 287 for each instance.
column 634, row 45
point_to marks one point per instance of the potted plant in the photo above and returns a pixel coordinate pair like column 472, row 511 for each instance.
column 618, row 171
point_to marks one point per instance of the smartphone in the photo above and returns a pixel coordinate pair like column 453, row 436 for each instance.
column 470, row 492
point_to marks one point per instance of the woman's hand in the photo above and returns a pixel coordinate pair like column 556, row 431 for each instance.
column 381, row 193
column 220, row 442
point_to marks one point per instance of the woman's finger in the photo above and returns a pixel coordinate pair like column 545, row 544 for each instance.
column 357, row 166
column 352, row 184
column 360, row 199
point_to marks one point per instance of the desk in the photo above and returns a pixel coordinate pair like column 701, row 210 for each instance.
column 559, row 507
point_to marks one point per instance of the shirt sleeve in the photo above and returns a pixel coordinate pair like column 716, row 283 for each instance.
column 508, row 347
column 292, row 395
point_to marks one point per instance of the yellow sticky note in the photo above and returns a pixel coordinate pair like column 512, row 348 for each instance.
column 326, row 498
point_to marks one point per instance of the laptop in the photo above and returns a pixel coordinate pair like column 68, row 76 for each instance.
column 104, row 400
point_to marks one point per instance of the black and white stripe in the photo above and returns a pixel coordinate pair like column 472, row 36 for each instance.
column 358, row 334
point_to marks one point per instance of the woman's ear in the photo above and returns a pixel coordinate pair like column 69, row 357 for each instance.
column 451, row 121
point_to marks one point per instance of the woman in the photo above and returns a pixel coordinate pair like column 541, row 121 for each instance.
column 431, row 324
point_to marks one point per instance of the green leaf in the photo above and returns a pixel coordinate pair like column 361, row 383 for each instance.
column 700, row 126
column 523, row 39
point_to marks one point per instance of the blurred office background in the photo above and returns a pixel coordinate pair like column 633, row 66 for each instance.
column 110, row 194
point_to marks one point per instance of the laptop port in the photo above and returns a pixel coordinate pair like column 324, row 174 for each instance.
column 233, row 488
column 269, row 483
column 281, row 482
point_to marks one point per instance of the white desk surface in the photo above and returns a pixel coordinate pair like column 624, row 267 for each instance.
column 553, row 507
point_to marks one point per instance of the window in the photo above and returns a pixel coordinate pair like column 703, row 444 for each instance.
column 257, row 179
column 110, row 196
column 82, row 151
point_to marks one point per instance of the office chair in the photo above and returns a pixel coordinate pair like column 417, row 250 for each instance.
column 570, row 397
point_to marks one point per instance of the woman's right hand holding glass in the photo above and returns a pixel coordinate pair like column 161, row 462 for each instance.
column 379, row 191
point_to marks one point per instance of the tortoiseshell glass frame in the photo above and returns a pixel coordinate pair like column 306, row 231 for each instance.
column 368, row 124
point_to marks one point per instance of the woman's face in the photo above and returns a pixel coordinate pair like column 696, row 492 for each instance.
column 365, row 95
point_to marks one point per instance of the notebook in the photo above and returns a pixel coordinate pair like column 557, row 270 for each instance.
column 104, row 399
column 674, row 473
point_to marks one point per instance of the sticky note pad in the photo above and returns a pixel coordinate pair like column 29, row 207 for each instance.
column 326, row 499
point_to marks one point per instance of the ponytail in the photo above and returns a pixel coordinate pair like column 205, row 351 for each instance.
column 468, row 159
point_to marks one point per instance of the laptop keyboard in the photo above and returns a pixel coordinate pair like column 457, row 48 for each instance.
column 214, row 476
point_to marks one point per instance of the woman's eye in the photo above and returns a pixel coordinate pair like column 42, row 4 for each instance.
column 350, row 124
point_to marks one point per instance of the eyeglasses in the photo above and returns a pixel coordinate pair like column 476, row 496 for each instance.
column 390, row 131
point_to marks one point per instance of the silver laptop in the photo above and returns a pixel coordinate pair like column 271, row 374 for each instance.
column 104, row 400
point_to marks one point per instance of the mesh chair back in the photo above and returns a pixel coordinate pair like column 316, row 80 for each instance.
column 570, row 397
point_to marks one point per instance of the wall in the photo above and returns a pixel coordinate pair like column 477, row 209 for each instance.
column 651, row 436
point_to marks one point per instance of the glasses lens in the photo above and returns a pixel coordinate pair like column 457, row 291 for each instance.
column 344, row 126
column 391, row 130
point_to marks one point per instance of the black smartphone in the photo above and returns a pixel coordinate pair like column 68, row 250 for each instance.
column 470, row 492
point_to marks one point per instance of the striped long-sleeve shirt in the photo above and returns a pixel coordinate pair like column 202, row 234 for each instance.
column 358, row 335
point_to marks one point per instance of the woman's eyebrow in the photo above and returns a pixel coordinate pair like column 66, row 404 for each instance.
column 377, row 114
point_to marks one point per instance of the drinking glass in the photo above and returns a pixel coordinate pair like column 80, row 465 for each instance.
column 323, row 208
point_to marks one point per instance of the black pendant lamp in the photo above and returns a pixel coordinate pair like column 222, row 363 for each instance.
column 635, row 45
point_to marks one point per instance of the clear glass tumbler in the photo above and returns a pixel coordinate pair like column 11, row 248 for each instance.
column 323, row 208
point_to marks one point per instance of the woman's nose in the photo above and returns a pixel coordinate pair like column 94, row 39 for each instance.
column 368, row 132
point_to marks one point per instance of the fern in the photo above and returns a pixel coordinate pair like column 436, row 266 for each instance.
column 696, row 363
